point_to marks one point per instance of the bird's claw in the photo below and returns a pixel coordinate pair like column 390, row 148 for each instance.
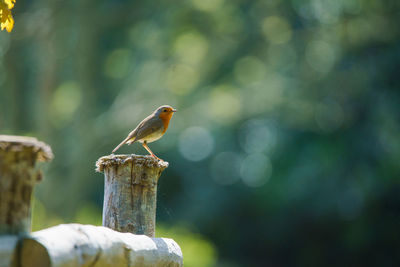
column 157, row 158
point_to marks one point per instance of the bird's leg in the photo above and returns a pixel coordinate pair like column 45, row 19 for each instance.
column 148, row 150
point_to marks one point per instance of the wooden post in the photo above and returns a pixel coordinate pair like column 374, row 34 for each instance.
column 18, row 175
column 130, row 192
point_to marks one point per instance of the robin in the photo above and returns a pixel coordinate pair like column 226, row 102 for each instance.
column 150, row 129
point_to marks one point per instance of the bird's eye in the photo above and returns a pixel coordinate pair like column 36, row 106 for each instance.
column 165, row 110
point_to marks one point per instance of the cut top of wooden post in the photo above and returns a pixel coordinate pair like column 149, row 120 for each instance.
column 12, row 143
column 118, row 160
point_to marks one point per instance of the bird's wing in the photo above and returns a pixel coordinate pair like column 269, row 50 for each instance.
column 148, row 126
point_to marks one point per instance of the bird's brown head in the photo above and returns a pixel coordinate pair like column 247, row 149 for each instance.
column 165, row 113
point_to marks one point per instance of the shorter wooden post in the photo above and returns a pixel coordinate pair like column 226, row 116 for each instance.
column 130, row 192
column 18, row 175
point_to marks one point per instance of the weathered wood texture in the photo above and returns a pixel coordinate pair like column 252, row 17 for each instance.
column 18, row 175
column 74, row 245
column 8, row 244
column 130, row 192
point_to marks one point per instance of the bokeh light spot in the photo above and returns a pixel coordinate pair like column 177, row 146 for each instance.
column 225, row 104
column 66, row 100
column 225, row 168
column 229, row 21
column 181, row 79
column 117, row 63
column 257, row 136
column 191, row 47
column 359, row 30
column 196, row 143
column 277, row 30
column 320, row 56
column 249, row 69
column 327, row 11
column 256, row 170
column 207, row 5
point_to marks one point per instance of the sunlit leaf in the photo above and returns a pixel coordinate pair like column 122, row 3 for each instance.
column 6, row 18
column 10, row 3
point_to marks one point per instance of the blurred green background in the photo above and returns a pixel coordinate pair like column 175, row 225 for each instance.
column 286, row 147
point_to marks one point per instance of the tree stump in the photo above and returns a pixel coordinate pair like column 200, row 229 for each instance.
column 130, row 192
column 18, row 175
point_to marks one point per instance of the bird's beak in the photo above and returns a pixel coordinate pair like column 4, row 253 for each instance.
column 174, row 110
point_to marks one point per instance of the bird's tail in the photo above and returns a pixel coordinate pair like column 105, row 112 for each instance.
column 117, row 147
column 126, row 141
column 121, row 144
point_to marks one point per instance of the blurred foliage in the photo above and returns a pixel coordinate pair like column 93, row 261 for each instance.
column 41, row 218
column 197, row 251
column 285, row 150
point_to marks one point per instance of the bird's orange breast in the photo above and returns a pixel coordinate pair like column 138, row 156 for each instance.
column 166, row 117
